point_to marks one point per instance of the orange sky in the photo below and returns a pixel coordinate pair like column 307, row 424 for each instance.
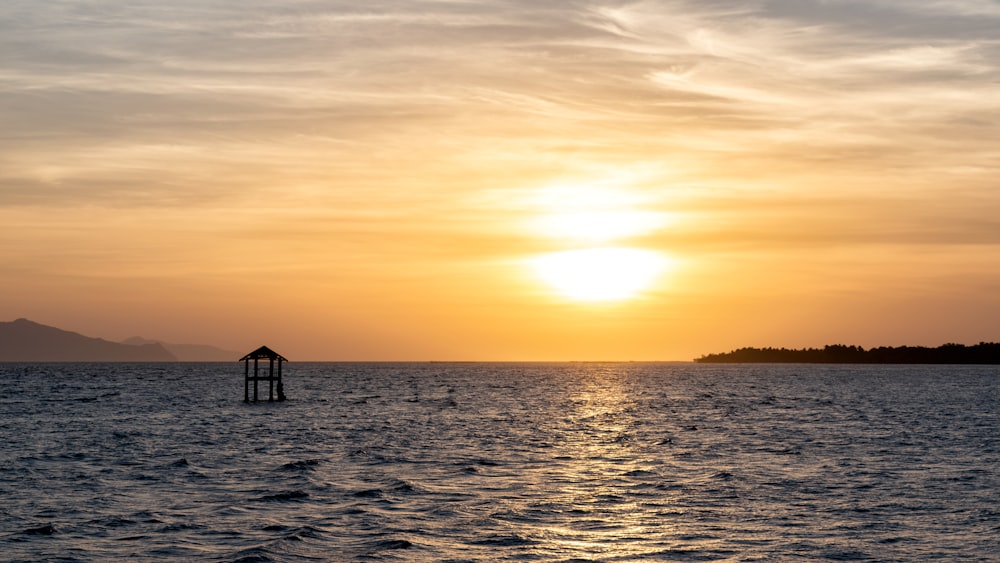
column 442, row 180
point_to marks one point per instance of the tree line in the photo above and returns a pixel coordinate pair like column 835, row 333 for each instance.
column 982, row 353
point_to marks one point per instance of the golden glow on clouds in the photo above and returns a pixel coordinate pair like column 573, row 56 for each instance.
column 459, row 180
column 596, row 213
column 600, row 226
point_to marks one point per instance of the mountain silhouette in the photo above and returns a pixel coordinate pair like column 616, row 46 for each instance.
column 188, row 352
column 26, row 341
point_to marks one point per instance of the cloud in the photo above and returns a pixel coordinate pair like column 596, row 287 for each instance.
column 200, row 103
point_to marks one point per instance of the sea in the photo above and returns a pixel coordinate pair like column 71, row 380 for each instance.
column 458, row 462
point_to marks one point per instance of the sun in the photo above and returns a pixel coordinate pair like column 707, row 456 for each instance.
column 591, row 221
column 600, row 274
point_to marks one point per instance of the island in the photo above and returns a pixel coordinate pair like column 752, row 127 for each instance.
column 982, row 353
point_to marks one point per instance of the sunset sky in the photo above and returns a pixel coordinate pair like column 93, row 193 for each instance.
column 486, row 180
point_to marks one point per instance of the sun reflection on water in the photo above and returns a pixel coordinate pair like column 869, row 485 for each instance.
column 595, row 469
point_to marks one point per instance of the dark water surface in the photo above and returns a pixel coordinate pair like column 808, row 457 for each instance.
column 501, row 462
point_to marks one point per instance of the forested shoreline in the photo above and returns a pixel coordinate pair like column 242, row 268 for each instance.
column 982, row 353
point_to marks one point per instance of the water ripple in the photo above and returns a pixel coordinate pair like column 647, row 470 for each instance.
column 501, row 462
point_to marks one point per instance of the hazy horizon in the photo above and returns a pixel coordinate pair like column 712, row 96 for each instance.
column 483, row 181
column 185, row 349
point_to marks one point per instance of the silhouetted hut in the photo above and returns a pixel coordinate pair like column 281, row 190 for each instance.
column 263, row 353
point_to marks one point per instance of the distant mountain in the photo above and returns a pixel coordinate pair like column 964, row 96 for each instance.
column 26, row 341
column 189, row 352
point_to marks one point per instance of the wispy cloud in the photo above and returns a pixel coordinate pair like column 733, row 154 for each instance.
column 209, row 103
column 173, row 104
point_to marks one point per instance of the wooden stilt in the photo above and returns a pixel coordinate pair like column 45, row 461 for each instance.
column 281, row 386
column 256, row 378
column 270, row 381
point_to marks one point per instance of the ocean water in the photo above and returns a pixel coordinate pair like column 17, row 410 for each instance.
column 501, row 462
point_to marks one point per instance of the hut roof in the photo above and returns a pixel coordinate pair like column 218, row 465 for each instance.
column 263, row 353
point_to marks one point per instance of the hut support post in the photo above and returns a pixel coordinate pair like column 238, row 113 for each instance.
column 281, row 387
column 270, row 381
column 246, row 381
column 256, row 377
